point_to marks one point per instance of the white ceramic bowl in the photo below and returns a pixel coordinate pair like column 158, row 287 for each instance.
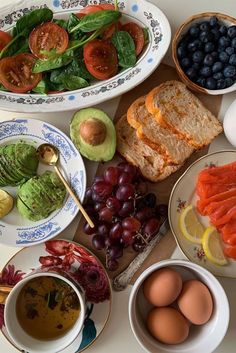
column 203, row 338
column 229, row 124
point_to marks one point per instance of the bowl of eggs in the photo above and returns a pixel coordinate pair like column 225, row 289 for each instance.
column 178, row 306
column 204, row 52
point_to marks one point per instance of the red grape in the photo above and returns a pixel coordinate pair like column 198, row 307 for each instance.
column 151, row 227
column 124, row 192
column 113, row 204
column 127, row 208
column 125, row 178
column 98, row 206
column 127, row 237
column 97, row 198
column 116, row 231
column 102, row 189
column 150, row 200
column 110, row 242
column 162, row 210
column 115, row 252
column 105, row 215
column 130, row 169
column 131, row 223
column 111, row 175
column 112, row 265
column 89, row 209
column 98, row 178
column 122, row 165
column 138, row 246
column 88, row 230
column 144, row 214
column 142, row 188
column 103, row 229
column 98, row 242
column 88, row 194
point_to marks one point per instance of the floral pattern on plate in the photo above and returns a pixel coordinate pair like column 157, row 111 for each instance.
column 78, row 263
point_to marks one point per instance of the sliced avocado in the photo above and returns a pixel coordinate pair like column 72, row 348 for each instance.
column 104, row 148
column 27, row 158
column 26, row 212
column 11, row 164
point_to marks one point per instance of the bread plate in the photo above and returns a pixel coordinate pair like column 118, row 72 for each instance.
column 14, row 229
column 145, row 14
column 182, row 195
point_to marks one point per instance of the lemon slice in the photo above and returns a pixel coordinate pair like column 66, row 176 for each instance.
column 190, row 226
column 212, row 246
column 6, row 203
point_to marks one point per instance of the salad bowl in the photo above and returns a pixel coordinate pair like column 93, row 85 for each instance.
column 146, row 15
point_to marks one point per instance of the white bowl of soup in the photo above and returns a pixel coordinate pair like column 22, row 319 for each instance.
column 44, row 312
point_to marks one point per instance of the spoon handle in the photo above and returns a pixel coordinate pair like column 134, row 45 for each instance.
column 72, row 194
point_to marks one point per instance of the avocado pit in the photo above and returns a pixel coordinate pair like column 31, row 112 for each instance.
column 93, row 131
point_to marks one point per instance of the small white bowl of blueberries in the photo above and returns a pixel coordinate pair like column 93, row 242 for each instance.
column 204, row 52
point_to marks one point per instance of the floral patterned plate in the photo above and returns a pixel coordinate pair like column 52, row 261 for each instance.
column 140, row 11
column 182, row 195
column 14, row 229
column 79, row 263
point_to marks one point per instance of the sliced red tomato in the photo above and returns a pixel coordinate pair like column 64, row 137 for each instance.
column 88, row 9
column 109, row 31
column 137, row 34
column 48, row 36
column 100, row 58
column 5, row 38
column 16, row 73
column 107, row 6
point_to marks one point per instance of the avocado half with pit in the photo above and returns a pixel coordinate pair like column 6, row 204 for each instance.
column 94, row 134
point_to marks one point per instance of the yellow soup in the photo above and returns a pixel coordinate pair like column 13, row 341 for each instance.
column 47, row 307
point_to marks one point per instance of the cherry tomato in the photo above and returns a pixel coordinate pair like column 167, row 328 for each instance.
column 16, row 73
column 5, row 38
column 48, row 36
column 100, row 58
column 110, row 30
column 137, row 34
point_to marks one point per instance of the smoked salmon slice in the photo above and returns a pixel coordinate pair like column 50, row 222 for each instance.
column 218, row 221
column 230, row 252
column 205, row 190
column 203, row 203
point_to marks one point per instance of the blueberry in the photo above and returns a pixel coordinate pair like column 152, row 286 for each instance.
column 213, row 21
column 194, row 31
column 229, row 81
column 223, row 29
column 201, row 81
column 229, row 71
column 232, row 32
column 181, row 52
column 232, row 59
column 204, row 26
column 218, row 75
column 220, row 84
column 209, row 47
column 211, row 83
column 217, row 66
column 229, row 50
column 205, row 71
column 208, row 60
column 223, row 57
column 224, row 42
column 186, row 62
column 196, row 66
column 191, row 73
column 233, row 43
column 214, row 54
column 192, row 46
column 206, row 36
column 183, row 43
column 197, row 56
column 216, row 34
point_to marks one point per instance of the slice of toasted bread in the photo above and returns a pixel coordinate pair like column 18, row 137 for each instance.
column 159, row 138
column 150, row 163
column 175, row 107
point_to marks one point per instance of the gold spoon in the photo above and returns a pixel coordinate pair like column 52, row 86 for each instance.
column 49, row 154
column 4, row 291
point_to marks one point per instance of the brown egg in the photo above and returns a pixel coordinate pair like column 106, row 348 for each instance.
column 167, row 325
column 162, row 287
column 195, row 302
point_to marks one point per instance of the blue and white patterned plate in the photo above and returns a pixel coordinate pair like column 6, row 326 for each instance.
column 17, row 231
column 146, row 14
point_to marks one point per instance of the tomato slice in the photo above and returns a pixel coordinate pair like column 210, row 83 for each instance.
column 110, row 30
column 100, row 58
column 137, row 34
column 88, row 9
column 5, row 38
column 16, row 73
column 48, row 36
column 107, row 6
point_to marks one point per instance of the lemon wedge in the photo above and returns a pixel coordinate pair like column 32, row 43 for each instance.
column 212, row 246
column 6, row 203
column 190, row 226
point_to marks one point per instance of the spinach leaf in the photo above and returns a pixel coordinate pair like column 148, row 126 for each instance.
column 54, row 62
column 72, row 82
column 72, row 22
column 32, row 19
column 75, row 68
column 61, row 23
column 146, row 35
column 125, row 47
column 14, row 47
column 2, row 88
column 24, row 48
column 41, row 87
column 97, row 20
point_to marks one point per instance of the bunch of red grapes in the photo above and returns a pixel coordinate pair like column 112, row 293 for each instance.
column 123, row 211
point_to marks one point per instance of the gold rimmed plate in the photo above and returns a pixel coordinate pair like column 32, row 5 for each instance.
column 79, row 263
column 184, row 194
